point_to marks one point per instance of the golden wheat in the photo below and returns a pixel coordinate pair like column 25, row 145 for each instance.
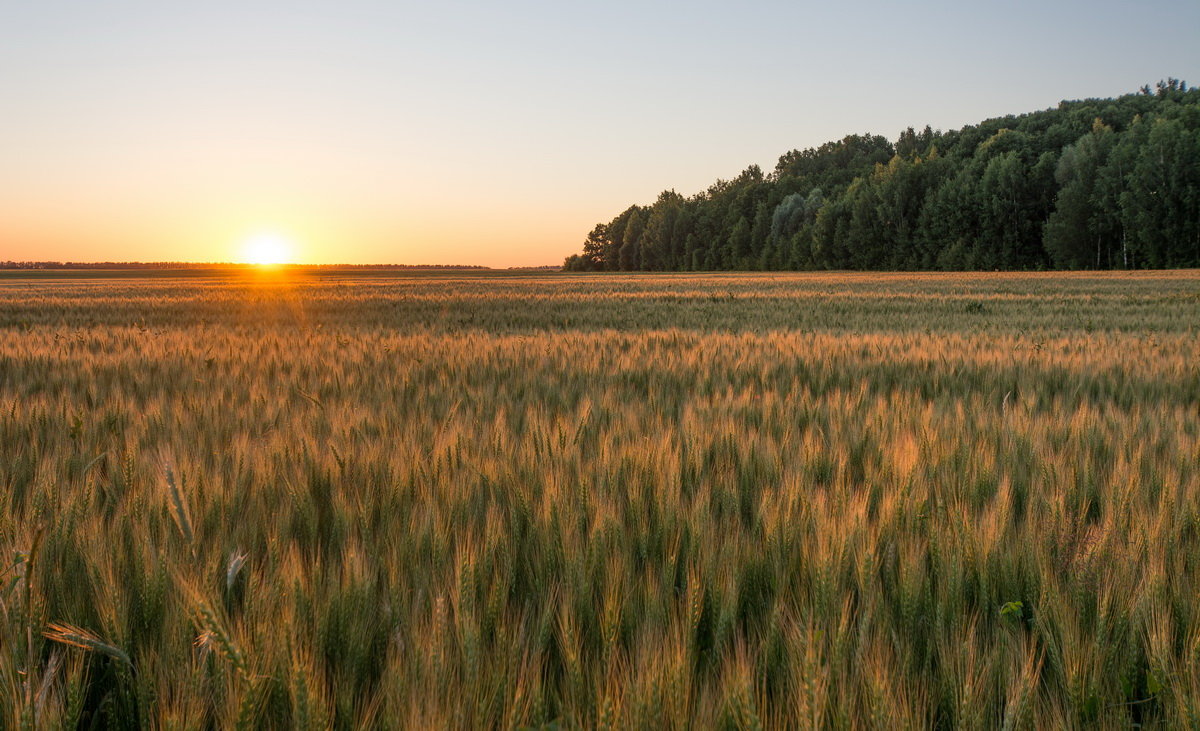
column 601, row 501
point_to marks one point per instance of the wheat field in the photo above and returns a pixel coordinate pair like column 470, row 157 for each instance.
column 661, row 501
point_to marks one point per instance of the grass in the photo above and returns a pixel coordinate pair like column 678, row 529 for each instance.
column 705, row 501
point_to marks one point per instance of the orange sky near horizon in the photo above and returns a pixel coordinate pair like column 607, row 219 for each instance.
column 86, row 235
column 92, row 201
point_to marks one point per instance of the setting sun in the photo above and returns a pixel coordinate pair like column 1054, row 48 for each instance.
column 268, row 248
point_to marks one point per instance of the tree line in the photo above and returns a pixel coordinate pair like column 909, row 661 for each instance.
column 1092, row 184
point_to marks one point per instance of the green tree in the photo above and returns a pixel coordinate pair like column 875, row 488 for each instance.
column 630, row 254
column 1084, row 229
column 597, row 248
column 657, row 237
column 1160, row 207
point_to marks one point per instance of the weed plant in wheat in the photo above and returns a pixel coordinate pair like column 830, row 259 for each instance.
column 740, row 501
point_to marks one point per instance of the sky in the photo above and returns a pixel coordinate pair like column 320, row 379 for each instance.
column 363, row 131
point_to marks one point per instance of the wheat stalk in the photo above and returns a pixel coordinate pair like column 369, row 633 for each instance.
column 78, row 637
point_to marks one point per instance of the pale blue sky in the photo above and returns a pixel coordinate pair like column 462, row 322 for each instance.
column 489, row 133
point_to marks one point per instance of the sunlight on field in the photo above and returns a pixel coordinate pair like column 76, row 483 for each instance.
column 602, row 501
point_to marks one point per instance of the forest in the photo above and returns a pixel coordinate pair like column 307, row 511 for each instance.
column 1091, row 184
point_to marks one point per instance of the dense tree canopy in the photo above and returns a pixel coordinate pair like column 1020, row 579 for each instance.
column 1099, row 183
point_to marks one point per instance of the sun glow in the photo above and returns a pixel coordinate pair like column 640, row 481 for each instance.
column 268, row 248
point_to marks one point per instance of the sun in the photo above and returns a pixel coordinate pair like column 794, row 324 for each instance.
column 268, row 248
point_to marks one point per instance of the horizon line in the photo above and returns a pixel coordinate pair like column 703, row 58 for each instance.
column 13, row 265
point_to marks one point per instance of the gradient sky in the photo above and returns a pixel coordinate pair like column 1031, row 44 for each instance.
column 489, row 133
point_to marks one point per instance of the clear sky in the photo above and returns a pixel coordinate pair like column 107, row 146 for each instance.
column 489, row 133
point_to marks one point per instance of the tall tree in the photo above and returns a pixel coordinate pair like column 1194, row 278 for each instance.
column 1161, row 204
column 1084, row 229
